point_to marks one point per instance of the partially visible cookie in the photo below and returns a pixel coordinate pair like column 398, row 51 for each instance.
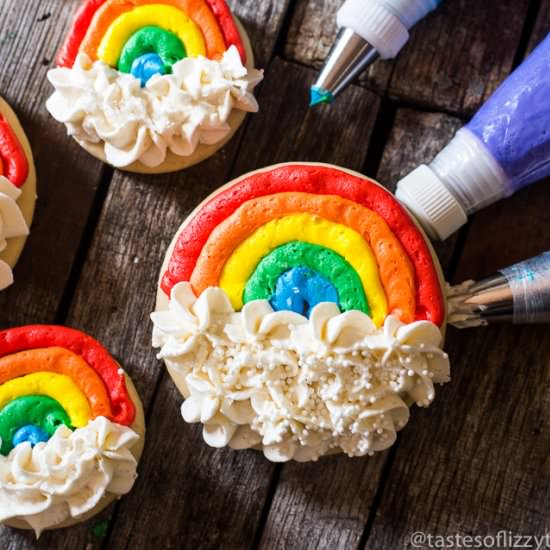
column 300, row 311
column 71, row 426
column 17, row 191
column 153, row 86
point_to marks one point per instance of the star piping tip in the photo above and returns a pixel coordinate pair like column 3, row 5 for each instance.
column 319, row 95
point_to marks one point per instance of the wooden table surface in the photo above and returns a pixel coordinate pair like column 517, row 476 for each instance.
column 474, row 463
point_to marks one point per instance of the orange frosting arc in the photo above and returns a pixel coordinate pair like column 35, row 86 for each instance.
column 60, row 361
column 197, row 10
column 396, row 272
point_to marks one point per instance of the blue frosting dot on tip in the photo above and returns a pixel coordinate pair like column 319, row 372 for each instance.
column 32, row 434
column 300, row 289
column 146, row 66
column 319, row 95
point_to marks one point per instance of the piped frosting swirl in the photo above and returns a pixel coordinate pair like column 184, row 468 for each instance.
column 173, row 112
column 297, row 388
column 68, row 475
column 12, row 224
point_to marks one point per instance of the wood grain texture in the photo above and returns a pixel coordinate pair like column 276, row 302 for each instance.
column 327, row 504
column 453, row 61
column 542, row 24
column 67, row 177
column 458, row 55
column 298, row 133
column 262, row 20
column 311, row 34
column 323, row 504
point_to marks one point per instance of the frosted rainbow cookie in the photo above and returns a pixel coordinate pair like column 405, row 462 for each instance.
column 300, row 311
column 17, row 191
column 153, row 85
column 71, row 427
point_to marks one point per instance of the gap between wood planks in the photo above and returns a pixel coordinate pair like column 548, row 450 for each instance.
column 105, row 179
column 527, row 32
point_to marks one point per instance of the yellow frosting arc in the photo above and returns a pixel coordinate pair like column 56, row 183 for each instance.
column 315, row 230
column 57, row 386
column 167, row 17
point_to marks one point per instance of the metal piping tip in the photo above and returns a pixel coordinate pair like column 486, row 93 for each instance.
column 518, row 294
column 319, row 95
column 349, row 57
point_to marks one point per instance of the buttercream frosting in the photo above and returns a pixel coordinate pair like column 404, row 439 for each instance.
column 175, row 112
column 68, row 475
column 12, row 224
column 294, row 387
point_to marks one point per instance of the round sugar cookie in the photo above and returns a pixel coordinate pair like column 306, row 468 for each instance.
column 145, row 38
column 33, row 361
column 27, row 199
column 225, row 268
column 174, row 163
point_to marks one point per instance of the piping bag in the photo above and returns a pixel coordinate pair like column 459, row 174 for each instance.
column 519, row 294
column 505, row 147
column 369, row 29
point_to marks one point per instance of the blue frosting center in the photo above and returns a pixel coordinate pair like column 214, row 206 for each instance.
column 32, row 434
column 300, row 289
column 146, row 66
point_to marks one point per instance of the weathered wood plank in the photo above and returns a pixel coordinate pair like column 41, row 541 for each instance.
column 454, row 60
column 67, row 177
column 542, row 24
column 311, row 34
column 477, row 460
column 214, row 497
column 262, row 20
column 459, row 54
column 323, row 504
column 299, row 133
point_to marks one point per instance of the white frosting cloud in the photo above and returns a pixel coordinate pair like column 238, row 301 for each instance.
column 177, row 111
column 294, row 387
column 12, row 224
column 68, row 475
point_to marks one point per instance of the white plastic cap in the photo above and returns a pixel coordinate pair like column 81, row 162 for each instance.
column 375, row 23
column 432, row 204
column 384, row 23
column 463, row 178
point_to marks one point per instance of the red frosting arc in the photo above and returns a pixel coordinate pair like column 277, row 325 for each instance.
column 43, row 336
column 321, row 180
column 83, row 17
column 66, row 55
column 231, row 33
column 12, row 155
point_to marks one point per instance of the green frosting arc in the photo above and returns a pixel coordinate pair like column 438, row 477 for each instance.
column 328, row 263
column 152, row 39
column 38, row 410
